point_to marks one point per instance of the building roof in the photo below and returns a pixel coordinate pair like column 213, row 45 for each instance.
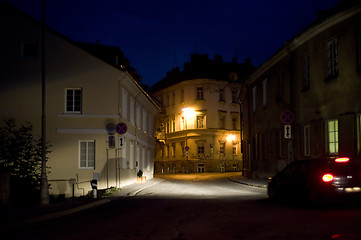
column 111, row 55
column 201, row 67
column 330, row 16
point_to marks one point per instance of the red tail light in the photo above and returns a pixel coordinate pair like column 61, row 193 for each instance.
column 342, row 159
column 327, row 177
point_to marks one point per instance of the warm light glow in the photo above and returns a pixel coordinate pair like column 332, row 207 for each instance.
column 231, row 138
column 327, row 177
column 343, row 159
column 188, row 112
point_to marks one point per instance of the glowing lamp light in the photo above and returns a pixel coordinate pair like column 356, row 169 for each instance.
column 188, row 112
column 342, row 159
column 327, row 177
column 231, row 138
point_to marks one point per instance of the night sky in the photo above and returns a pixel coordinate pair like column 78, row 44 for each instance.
column 159, row 35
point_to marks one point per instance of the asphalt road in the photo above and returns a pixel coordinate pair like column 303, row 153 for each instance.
column 200, row 207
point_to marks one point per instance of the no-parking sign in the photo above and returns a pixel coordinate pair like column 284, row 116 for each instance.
column 121, row 128
column 287, row 117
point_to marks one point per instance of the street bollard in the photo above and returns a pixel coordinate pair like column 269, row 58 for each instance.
column 94, row 184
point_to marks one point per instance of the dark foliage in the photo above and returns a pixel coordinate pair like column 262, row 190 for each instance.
column 20, row 155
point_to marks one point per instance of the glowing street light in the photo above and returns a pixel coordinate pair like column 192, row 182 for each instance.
column 188, row 112
column 231, row 137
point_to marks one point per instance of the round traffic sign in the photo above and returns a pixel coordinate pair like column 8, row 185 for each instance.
column 121, row 128
column 287, row 117
column 186, row 148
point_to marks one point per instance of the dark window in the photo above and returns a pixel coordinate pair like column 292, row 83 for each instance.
column 200, row 93
column 221, row 95
column 74, row 100
column 332, row 58
column 234, row 97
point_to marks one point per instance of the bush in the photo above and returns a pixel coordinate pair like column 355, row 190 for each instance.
column 20, row 155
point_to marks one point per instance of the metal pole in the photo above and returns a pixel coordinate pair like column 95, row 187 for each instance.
column 116, row 168
column 44, row 188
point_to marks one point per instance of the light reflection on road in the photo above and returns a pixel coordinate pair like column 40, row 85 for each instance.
column 204, row 186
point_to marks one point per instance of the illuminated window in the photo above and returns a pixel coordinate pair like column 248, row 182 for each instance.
column 332, row 129
column 200, row 121
column 73, row 100
column 221, row 95
column 306, row 140
column 87, row 154
column 29, row 49
column 234, row 149
column 200, row 93
column 222, row 148
column 332, row 58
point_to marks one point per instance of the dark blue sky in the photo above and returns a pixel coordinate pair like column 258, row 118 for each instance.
column 159, row 35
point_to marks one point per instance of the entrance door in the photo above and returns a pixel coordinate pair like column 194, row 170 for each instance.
column 200, row 168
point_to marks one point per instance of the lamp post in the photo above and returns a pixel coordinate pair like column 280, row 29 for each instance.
column 44, row 188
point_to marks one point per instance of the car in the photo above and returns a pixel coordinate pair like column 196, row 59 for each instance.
column 316, row 180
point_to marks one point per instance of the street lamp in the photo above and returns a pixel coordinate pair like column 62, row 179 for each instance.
column 231, row 137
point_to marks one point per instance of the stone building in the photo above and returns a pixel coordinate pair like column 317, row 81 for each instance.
column 304, row 102
column 198, row 128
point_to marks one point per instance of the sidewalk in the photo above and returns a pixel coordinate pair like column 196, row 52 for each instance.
column 13, row 216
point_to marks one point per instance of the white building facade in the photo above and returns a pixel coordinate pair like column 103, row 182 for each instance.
column 86, row 99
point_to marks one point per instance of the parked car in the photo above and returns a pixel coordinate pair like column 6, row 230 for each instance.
column 315, row 180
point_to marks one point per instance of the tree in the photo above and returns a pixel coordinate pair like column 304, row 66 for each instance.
column 20, row 156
